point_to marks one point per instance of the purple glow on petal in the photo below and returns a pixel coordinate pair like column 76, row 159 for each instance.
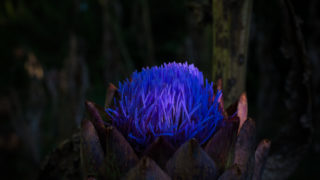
column 170, row 100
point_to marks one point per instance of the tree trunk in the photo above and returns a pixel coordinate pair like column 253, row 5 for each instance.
column 231, row 24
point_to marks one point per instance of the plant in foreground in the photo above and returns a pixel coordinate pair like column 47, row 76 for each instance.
column 167, row 122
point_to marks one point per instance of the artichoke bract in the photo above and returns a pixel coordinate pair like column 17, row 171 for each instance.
column 167, row 122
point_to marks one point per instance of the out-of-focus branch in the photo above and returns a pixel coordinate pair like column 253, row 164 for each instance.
column 27, row 115
column 293, row 141
column 73, row 84
column 231, row 25
column 148, row 32
column 114, row 47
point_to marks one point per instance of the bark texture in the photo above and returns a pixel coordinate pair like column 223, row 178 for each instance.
column 231, row 24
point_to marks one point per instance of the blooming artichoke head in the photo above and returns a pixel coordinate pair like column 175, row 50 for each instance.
column 172, row 100
column 165, row 122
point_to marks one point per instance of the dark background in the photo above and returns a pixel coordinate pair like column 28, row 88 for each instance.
column 56, row 54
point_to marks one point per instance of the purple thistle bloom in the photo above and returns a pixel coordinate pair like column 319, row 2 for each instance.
column 171, row 101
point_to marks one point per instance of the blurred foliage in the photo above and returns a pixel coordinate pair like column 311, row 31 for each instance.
column 35, row 39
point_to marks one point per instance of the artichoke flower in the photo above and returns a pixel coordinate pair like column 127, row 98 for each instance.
column 171, row 101
column 167, row 122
